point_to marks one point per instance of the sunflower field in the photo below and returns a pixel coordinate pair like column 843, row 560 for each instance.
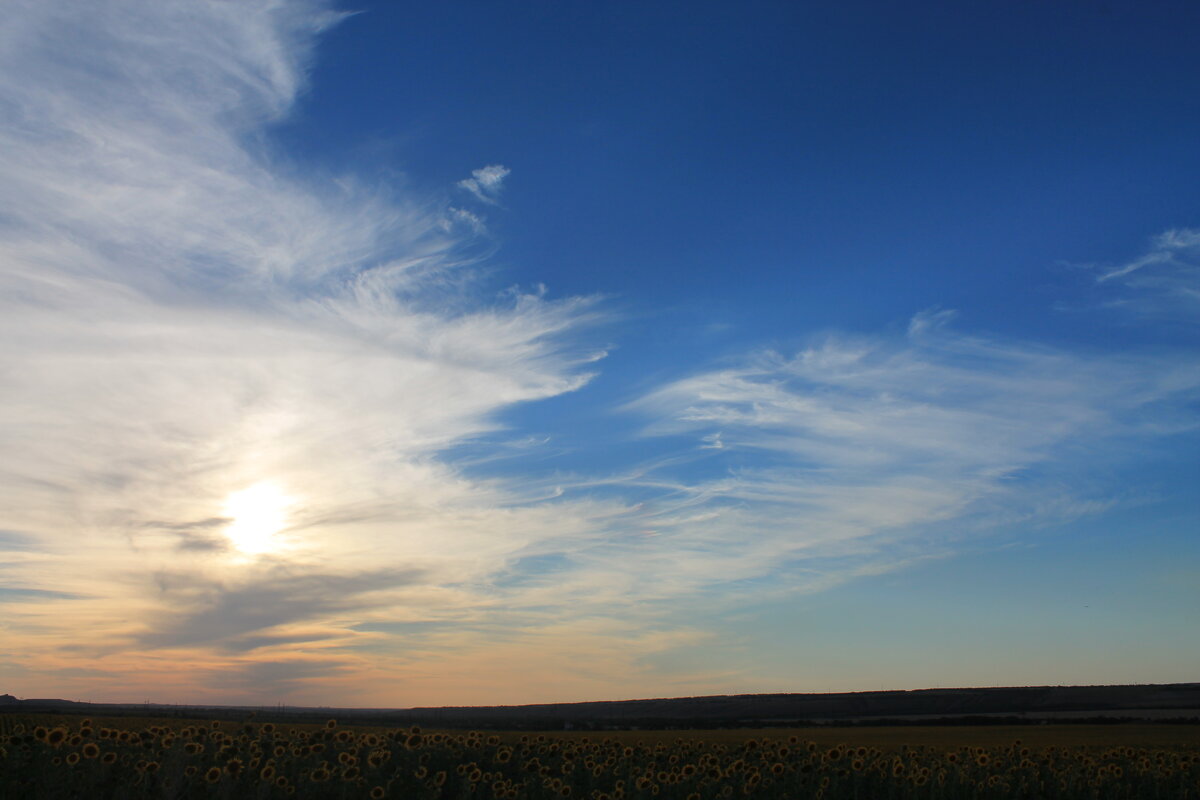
column 221, row 760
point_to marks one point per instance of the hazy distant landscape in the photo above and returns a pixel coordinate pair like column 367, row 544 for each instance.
column 1039, row 704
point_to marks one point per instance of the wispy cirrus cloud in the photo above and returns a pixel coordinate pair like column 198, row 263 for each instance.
column 1168, row 248
column 860, row 452
column 485, row 184
column 1163, row 281
column 185, row 315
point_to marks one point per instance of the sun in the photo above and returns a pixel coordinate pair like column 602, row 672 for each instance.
column 256, row 515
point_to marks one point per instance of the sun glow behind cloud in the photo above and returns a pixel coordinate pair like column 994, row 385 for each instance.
column 256, row 516
column 181, row 317
column 210, row 359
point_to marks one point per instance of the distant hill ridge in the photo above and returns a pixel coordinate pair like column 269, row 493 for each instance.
column 857, row 705
column 1180, row 700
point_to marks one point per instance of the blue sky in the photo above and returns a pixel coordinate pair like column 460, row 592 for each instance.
column 680, row 349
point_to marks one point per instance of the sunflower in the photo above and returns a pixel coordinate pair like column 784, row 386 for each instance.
column 377, row 793
column 91, row 750
column 213, row 775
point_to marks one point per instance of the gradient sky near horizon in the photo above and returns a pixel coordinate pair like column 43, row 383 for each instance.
column 415, row 353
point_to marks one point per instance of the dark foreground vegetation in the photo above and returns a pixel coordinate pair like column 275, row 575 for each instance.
column 72, row 757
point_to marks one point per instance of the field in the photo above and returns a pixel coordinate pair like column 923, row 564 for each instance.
column 68, row 757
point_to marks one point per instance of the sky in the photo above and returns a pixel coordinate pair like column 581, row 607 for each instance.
column 407, row 354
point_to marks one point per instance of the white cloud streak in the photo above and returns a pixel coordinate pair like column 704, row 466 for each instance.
column 486, row 183
column 1164, row 281
column 182, row 317
column 857, row 449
